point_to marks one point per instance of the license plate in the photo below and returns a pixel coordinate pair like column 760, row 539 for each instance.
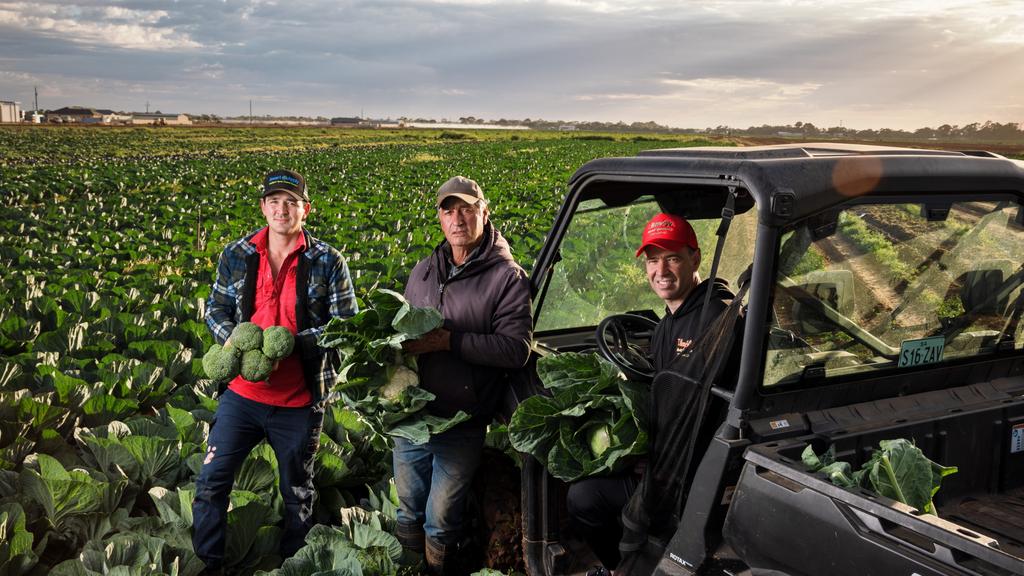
column 923, row 351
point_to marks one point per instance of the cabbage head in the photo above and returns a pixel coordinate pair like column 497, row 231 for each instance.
column 592, row 423
column 600, row 439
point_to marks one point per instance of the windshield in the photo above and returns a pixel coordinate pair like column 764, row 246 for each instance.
column 599, row 273
column 895, row 286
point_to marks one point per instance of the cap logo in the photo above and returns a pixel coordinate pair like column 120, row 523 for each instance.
column 667, row 231
column 284, row 178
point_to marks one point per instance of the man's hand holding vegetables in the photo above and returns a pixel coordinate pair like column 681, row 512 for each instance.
column 434, row 341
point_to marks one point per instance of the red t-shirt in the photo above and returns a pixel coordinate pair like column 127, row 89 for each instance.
column 275, row 306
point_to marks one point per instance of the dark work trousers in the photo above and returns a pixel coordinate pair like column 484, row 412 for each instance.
column 595, row 512
column 240, row 424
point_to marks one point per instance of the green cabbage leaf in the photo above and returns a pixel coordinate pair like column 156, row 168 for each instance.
column 897, row 469
column 593, row 423
column 375, row 378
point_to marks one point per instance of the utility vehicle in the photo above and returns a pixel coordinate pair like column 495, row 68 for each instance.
column 883, row 301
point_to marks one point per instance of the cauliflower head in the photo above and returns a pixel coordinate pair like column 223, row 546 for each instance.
column 278, row 342
column 247, row 336
column 399, row 379
column 255, row 366
column 220, row 363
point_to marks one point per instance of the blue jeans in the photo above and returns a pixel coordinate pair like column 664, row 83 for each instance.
column 433, row 481
column 238, row 426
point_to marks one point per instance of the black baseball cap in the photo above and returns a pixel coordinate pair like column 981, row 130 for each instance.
column 285, row 181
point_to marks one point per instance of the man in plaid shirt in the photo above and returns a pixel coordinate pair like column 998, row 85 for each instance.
column 277, row 276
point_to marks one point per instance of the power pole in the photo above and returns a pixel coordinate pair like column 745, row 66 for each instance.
column 36, row 105
column 250, row 112
column 147, row 106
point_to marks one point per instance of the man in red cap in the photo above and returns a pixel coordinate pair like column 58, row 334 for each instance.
column 671, row 258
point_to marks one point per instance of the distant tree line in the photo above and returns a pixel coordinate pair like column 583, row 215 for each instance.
column 988, row 131
column 976, row 132
column 539, row 124
column 985, row 132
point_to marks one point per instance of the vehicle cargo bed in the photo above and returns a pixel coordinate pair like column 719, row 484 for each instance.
column 781, row 513
column 998, row 516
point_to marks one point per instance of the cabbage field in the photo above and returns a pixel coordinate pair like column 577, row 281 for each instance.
column 107, row 247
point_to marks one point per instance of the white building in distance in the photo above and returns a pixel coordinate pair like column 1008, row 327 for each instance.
column 10, row 112
column 159, row 119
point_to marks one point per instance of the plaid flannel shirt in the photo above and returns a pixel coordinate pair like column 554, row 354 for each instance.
column 329, row 294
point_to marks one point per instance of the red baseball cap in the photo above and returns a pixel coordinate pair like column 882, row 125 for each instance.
column 668, row 231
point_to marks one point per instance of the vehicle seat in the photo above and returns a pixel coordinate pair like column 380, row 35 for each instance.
column 979, row 286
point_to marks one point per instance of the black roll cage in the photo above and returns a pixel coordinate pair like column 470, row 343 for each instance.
column 696, row 187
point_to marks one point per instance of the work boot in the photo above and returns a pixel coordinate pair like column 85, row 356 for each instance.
column 411, row 537
column 441, row 558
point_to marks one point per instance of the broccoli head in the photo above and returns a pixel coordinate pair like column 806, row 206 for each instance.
column 278, row 342
column 255, row 366
column 247, row 336
column 221, row 363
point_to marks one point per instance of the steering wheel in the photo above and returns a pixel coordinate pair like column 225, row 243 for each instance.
column 613, row 343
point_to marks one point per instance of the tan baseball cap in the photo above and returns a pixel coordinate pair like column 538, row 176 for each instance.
column 463, row 188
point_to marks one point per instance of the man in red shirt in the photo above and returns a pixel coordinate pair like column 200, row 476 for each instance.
column 277, row 276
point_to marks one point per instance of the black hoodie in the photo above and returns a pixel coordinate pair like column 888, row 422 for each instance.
column 678, row 330
column 486, row 306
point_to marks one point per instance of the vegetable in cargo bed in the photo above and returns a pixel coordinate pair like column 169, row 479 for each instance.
column 376, row 379
column 897, row 469
column 591, row 424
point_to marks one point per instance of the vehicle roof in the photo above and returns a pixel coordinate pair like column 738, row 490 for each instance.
column 815, row 176
column 795, row 150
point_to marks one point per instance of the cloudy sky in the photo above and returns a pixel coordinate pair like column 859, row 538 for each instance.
column 858, row 63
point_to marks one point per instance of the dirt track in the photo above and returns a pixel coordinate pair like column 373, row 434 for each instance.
column 870, row 279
